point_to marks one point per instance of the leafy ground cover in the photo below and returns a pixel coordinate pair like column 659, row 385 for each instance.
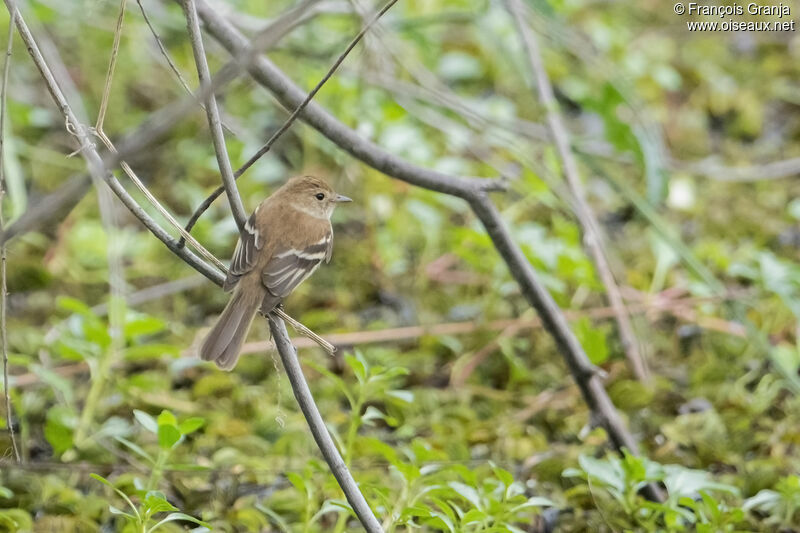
column 122, row 429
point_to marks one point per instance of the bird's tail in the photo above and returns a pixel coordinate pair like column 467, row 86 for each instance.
column 224, row 341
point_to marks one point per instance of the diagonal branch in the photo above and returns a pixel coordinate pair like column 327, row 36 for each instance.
column 49, row 208
column 212, row 112
column 96, row 167
column 592, row 234
column 474, row 190
column 291, row 96
column 318, row 429
column 92, row 157
column 289, row 121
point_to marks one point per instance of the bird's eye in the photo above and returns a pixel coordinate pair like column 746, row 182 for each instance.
column 320, row 196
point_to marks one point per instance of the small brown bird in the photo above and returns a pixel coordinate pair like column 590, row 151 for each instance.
column 284, row 241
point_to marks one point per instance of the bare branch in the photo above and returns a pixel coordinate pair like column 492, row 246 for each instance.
column 112, row 64
column 264, row 149
column 291, row 96
column 3, row 288
column 168, row 58
column 289, row 121
column 592, row 234
column 317, row 426
column 212, row 112
column 93, row 160
column 51, row 207
column 471, row 189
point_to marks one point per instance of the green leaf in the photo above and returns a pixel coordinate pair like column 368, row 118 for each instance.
column 473, row 516
column 117, row 511
column 135, row 448
column 168, row 436
column 75, row 306
column 592, row 339
column 173, row 517
column 156, row 502
column 467, row 492
column 190, row 425
column 150, row 351
column 503, row 475
column 143, row 325
column 59, row 427
column 148, row 422
column 358, row 365
column 166, row 418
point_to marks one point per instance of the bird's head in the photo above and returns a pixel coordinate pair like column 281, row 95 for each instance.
column 312, row 195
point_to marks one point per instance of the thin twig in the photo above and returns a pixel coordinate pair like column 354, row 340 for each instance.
column 112, row 64
column 99, row 131
column 3, row 288
column 289, row 121
column 264, row 149
column 290, row 96
column 592, row 234
column 168, row 58
column 164, row 53
column 272, row 78
column 212, row 112
column 318, row 429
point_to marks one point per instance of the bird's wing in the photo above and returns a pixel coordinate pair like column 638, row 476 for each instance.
column 290, row 266
column 245, row 254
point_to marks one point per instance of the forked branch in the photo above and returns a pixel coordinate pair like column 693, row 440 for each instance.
column 474, row 190
column 97, row 168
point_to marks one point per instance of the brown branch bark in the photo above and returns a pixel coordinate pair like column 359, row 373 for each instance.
column 318, row 429
column 471, row 189
column 288, row 355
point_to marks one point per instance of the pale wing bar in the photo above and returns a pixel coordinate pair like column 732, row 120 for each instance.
column 289, row 268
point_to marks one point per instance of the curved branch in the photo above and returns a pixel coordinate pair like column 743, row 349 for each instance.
column 93, row 160
column 471, row 189
column 317, row 426
column 291, row 96
column 203, row 207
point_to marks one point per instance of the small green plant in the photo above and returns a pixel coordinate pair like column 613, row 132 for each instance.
column 170, row 433
column 87, row 336
column 780, row 505
column 690, row 503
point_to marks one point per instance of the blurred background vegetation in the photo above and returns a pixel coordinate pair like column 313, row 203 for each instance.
column 687, row 142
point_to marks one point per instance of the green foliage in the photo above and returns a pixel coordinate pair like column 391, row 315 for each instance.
column 459, row 432
column 694, row 501
column 170, row 433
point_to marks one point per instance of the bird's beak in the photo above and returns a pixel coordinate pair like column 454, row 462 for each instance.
column 342, row 199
